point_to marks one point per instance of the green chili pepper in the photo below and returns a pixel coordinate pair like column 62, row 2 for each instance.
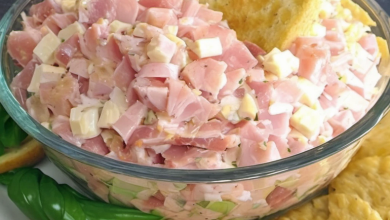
column 11, row 135
column 40, row 197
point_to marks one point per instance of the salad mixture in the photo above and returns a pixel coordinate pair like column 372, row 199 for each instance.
column 167, row 83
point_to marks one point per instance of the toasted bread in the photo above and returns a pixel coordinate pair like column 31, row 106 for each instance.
column 28, row 154
column 269, row 23
column 358, row 12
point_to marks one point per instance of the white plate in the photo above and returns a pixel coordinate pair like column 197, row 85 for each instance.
column 8, row 211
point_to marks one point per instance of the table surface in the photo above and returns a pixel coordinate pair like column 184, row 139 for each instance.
column 8, row 211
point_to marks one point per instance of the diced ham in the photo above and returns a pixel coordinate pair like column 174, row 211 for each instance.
column 264, row 92
column 192, row 28
column 153, row 96
column 238, row 56
column 110, row 51
column 60, row 96
column 44, row 9
column 159, row 70
column 127, row 11
column 250, row 131
column 209, row 15
column 211, row 143
column 161, row 17
column 124, row 74
column 253, row 152
column 57, row 22
column 83, row 85
column 61, row 127
column 21, row 44
column 313, row 60
column 335, row 40
column 282, row 145
column 173, row 4
column 287, row 91
column 101, row 81
column 96, row 145
column 67, row 50
column 130, row 44
column 37, row 110
column 234, row 80
column 96, row 9
column 279, row 196
column 190, row 8
column 333, row 24
column 20, row 95
column 207, row 75
column 180, row 156
column 128, row 122
column 369, row 43
column 254, row 49
column 23, row 79
column 79, row 66
column 280, row 123
column 225, row 35
column 341, row 122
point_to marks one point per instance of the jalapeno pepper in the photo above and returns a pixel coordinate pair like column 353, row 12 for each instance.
column 40, row 197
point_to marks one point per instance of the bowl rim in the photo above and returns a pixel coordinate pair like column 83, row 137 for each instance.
column 49, row 139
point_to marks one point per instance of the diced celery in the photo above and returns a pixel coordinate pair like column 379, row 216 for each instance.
column 115, row 201
column 156, row 212
column 223, row 207
column 180, row 186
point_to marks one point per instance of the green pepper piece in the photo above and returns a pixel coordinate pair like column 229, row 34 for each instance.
column 72, row 208
column 102, row 211
column 26, row 194
column 52, row 199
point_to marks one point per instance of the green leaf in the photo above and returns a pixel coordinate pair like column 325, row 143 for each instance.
column 2, row 149
column 52, row 199
column 11, row 135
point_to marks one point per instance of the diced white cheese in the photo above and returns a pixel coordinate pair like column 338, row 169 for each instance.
column 282, row 64
column 248, row 107
column 46, row 125
column 207, row 47
column 326, row 10
column 160, row 49
column 307, row 121
column 75, row 28
column 110, row 114
column 230, row 106
column 68, row 5
column 280, row 108
column 46, row 47
column 119, row 98
column 118, row 27
column 318, row 30
column 139, row 30
column 83, row 122
column 48, row 70
column 355, row 102
column 298, row 136
column 311, row 92
column 171, row 29
column 179, row 42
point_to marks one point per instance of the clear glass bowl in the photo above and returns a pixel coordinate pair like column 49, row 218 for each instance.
column 183, row 194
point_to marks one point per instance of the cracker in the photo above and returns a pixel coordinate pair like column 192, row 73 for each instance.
column 376, row 143
column 358, row 12
column 350, row 207
column 317, row 209
column 269, row 23
column 384, row 50
column 369, row 179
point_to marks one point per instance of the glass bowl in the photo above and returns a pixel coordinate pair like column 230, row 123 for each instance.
column 241, row 193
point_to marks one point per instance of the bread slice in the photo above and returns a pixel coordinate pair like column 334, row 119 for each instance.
column 358, row 12
column 28, row 154
column 269, row 23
